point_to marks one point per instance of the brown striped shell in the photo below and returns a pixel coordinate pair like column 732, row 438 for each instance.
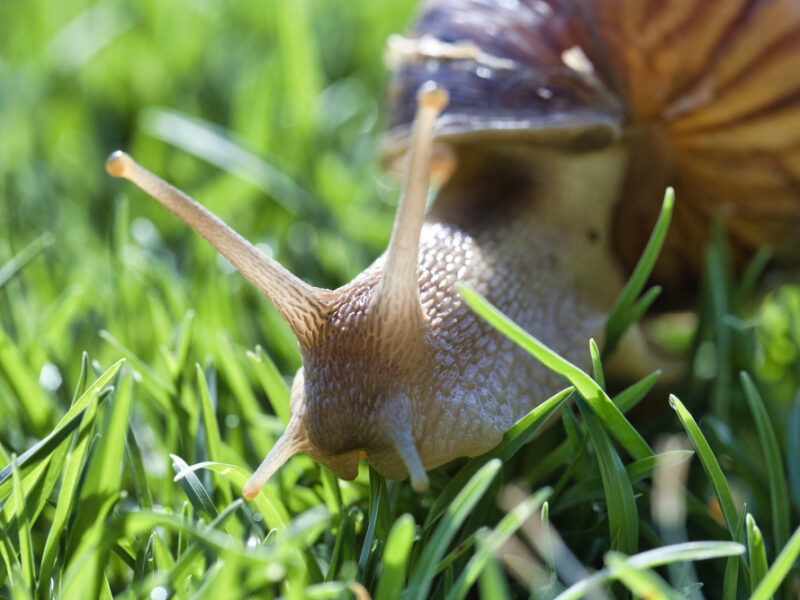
column 706, row 93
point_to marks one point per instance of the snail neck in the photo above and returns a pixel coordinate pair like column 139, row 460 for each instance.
column 540, row 222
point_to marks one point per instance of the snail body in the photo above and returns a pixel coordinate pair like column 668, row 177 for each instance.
column 561, row 148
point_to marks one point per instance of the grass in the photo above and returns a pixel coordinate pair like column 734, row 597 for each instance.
column 136, row 399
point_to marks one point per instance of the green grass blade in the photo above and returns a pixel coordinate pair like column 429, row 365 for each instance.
column 11, row 558
column 24, row 256
column 617, row 321
column 83, row 377
column 752, row 273
column 730, row 581
column 208, row 142
column 38, row 482
column 162, row 556
column 23, row 528
column 269, row 505
column 710, row 464
column 633, row 394
column 42, row 450
column 757, row 553
column 688, row 551
column 778, row 487
column 643, row 583
column 513, row 440
column 601, row 404
column 134, row 455
column 194, row 489
column 717, row 272
column 396, row 556
column 185, row 332
column 213, row 438
column 492, row 583
column 226, row 357
column 66, row 496
column 272, row 382
column 161, row 389
column 345, row 542
column 378, row 505
column 641, row 469
column 623, row 518
column 182, row 566
column 597, row 365
column 100, row 490
column 793, row 450
column 37, row 405
column 435, row 547
column 65, row 426
column 780, row 569
column 491, row 542
column 143, row 522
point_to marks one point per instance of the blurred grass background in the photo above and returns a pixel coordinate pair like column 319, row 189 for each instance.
column 270, row 113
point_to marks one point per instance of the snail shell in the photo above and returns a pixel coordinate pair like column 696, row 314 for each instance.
column 704, row 95
column 566, row 120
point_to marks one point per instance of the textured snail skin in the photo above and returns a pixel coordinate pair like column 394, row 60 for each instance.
column 461, row 384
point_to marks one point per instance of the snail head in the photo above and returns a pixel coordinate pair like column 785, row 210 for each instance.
column 359, row 343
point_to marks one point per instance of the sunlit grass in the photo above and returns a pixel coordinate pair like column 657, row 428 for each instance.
column 122, row 478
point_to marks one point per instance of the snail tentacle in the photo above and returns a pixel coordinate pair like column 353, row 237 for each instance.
column 397, row 296
column 291, row 442
column 302, row 306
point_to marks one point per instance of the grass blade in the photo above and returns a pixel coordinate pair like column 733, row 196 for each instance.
column 492, row 583
column 490, row 543
column 778, row 488
column 633, row 394
column 655, row 558
column 618, row 321
column 161, row 389
column 271, row 508
column 457, row 512
column 194, row 489
column 597, row 364
column 376, row 507
column 66, row 496
column 227, row 359
column 757, row 553
column 623, row 519
column 134, row 454
column 24, row 256
column 793, row 450
column 710, row 464
column 272, row 382
column 100, row 490
column 780, row 569
column 37, row 405
column 207, row 410
column 717, row 272
column 65, row 426
column 600, row 403
column 396, row 556
column 730, row 582
column 643, row 583
column 641, row 469
column 23, row 528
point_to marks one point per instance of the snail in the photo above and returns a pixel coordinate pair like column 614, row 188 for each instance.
column 566, row 121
